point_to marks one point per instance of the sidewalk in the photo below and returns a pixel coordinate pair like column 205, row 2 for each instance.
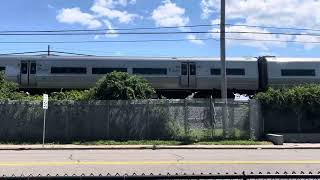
column 137, row 147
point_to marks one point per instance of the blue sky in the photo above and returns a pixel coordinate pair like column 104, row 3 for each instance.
column 115, row 14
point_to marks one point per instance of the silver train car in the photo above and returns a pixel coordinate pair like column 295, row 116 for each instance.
column 163, row 73
column 245, row 74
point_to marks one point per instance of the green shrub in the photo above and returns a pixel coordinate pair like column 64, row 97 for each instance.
column 74, row 95
column 122, row 86
column 291, row 110
column 307, row 96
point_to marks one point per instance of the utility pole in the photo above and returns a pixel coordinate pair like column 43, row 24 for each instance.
column 224, row 89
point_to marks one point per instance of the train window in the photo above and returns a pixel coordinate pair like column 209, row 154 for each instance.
column 107, row 70
column 230, row 72
column 298, row 72
column 193, row 70
column 236, row 72
column 215, row 71
column 2, row 68
column 159, row 71
column 184, row 69
column 24, row 68
column 68, row 70
column 33, row 68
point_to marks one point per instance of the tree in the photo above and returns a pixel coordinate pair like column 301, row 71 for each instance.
column 122, row 86
column 6, row 86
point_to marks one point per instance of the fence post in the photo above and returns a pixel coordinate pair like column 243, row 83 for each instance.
column 211, row 116
column 185, row 117
column 256, row 126
column 108, row 120
column 148, row 109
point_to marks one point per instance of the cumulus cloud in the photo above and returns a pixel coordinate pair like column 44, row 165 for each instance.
column 103, row 12
column 273, row 40
column 76, row 16
column 169, row 14
column 194, row 39
column 111, row 32
column 285, row 13
column 106, row 8
column 304, row 39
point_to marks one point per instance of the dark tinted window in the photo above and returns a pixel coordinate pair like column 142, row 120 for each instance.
column 68, row 70
column 24, row 68
column 236, row 72
column 107, row 70
column 298, row 72
column 159, row 71
column 193, row 69
column 184, row 69
column 215, row 71
column 231, row 72
column 2, row 68
column 33, row 69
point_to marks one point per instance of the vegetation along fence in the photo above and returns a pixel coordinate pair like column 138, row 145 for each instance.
column 199, row 119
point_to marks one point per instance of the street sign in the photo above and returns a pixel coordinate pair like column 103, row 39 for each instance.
column 45, row 101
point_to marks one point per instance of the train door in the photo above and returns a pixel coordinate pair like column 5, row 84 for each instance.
column 188, row 75
column 28, row 71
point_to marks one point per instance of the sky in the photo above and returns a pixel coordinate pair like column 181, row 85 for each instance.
column 112, row 15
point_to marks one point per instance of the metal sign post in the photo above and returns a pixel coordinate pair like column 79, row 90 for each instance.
column 45, row 107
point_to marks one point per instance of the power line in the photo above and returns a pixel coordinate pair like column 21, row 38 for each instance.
column 274, row 27
column 155, row 28
column 161, row 33
column 106, row 29
column 33, row 52
column 115, row 41
column 106, row 33
column 155, row 40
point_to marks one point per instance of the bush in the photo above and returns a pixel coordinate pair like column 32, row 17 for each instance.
column 6, row 86
column 74, row 95
column 122, row 86
column 307, row 96
column 292, row 110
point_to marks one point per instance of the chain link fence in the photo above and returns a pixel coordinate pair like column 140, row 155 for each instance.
column 195, row 119
column 244, row 176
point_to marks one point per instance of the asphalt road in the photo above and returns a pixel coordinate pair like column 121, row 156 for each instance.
column 156, row 161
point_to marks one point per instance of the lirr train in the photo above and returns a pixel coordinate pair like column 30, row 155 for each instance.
column 166, row 75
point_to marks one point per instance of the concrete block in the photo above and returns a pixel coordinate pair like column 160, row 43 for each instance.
column 276, row 139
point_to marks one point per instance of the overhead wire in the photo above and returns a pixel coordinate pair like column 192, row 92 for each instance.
column 107, row 29
column 154, row 40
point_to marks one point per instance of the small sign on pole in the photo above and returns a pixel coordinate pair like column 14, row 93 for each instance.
column 45, row 101
column 45, row 107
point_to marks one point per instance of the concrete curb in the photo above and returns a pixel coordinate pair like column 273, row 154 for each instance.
column 151, row 147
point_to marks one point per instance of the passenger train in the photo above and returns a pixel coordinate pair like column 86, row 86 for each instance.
column 245, row 74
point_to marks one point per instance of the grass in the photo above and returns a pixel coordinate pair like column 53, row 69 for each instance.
column 157, row 142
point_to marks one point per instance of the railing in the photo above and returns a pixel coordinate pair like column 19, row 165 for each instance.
column 244, row 176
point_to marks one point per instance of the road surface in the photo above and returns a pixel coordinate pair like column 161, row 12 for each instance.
column 156, row 161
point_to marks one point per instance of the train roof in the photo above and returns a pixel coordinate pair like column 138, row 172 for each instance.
column 292, row 59
column 125, row 58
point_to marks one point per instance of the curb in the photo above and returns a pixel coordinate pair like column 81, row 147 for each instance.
column 158, row 148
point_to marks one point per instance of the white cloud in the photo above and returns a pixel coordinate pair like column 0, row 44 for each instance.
column 194, row 39
column 76, row 16
column 169, row 14
column 208, row 7
column 304, row 39
column 273, row 40
column 283, row 13
column 106, row 9
column 111, row 32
